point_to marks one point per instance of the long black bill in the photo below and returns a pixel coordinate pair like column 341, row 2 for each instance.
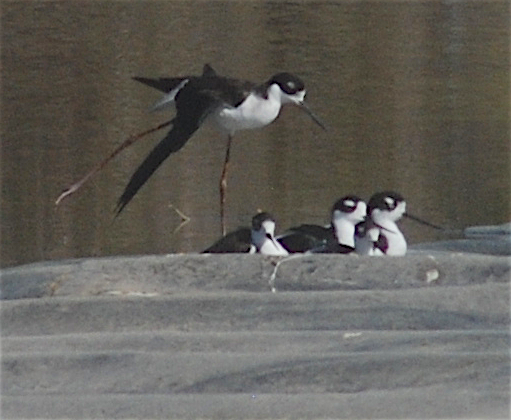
column 422, row 221
column 305, row 107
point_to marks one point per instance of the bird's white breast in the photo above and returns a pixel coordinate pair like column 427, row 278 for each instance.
column 267, row 245
column 253, row 112
column 396, row 242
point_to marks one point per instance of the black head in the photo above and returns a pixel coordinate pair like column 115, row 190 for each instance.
column 385, row 200
column 260, row 218
column 293, row 91
column 347, row 204
column 288, row 82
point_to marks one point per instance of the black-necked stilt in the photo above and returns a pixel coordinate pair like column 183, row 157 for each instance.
column 260, row 238
column 233, row 104
column 379, row 233
column 338, row 237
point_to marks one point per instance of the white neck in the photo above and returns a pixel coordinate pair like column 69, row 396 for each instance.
column 344, row 232
column 384, row 222
column 272, row 247
column 267, row 245
column 395, row 238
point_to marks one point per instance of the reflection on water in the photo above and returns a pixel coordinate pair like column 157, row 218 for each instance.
column 415, row 94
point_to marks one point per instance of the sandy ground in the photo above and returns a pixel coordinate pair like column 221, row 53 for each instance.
column 251, row 337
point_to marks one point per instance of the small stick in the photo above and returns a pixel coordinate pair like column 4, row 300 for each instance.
column 128, row 142
column 223, row 185
column 184, row 218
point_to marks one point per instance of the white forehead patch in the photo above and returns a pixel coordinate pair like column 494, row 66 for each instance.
column 349, row 203
column 268, row 226
column 390, row 201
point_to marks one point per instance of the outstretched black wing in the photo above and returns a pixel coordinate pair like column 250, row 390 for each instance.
column 195, row 100
column 193, row 107
column 167, row 84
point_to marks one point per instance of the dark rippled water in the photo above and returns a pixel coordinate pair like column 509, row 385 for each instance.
column 416, row 96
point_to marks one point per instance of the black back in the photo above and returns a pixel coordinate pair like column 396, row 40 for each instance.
column 193, row 104
column 234, row 242
column 305, row 238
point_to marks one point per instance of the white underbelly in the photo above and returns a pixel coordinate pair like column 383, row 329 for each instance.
column 251, row 114
column 397, row 244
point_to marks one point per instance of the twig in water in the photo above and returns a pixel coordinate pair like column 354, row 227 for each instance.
column 184, row 218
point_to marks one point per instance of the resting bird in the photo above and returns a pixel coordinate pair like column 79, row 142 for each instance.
column 338, row 237
column 260, row 238
column 379, row 233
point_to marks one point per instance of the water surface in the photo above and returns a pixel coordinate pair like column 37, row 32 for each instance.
column 415, row 94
